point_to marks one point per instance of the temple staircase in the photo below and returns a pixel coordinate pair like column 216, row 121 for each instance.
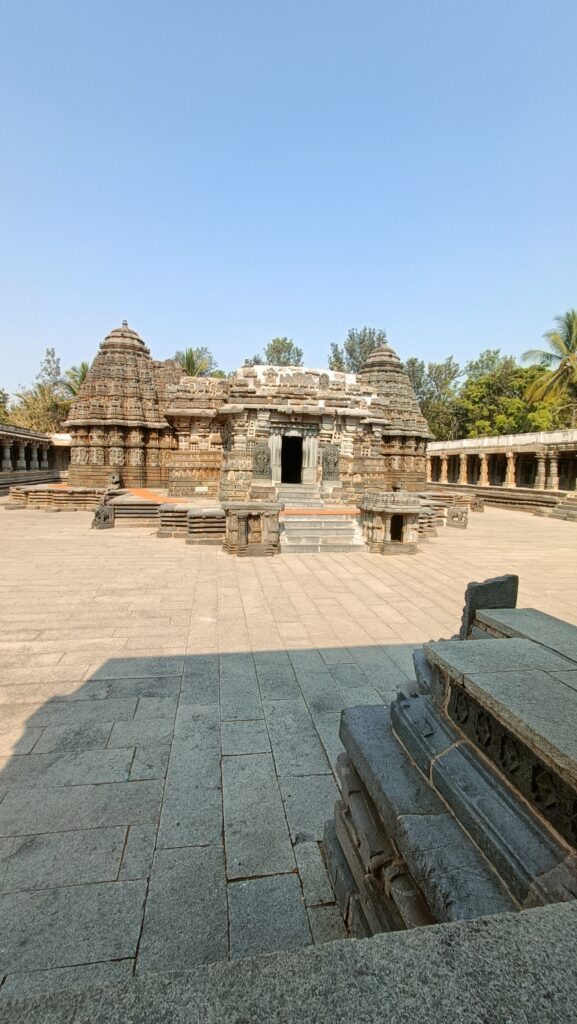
column 300, row 495
column 320, row 530
column 566, row 509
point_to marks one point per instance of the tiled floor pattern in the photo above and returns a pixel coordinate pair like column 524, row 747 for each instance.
column 169, row 724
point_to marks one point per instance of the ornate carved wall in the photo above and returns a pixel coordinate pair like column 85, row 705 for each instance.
column 224, row 437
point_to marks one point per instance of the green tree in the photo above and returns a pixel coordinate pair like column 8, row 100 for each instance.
column 436, row 389
column 4, row 406
column 280, row 352
column 45, row 404
column 74, row 378
column 357, row 348
column 490, row 361
column 497, row 402
column 561, row 359
column 196, row 362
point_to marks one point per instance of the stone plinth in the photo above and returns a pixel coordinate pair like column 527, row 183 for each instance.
column 461, row 800
column 252, row 528
column 390, row 522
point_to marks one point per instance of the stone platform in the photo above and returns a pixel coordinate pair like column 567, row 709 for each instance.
column 169, row 730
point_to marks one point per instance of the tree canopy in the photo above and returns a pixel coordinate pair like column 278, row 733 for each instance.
column 280, row 352
column 357, row 347
column 490, row 395
column 196, row 362
column 561, row 359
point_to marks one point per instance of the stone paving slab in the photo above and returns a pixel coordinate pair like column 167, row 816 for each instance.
column 167, row 666
column 256, row 835
column 185, row 923
column 78, row 924
column 267, row 915
column 63, row 858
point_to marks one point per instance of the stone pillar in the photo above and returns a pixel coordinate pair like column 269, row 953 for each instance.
column 21, row 460
column 310, row 457
column 6, row 460
column 275, row 445
column 462, row 469
column 539, row 484
column 44, row 457
column 510, row 474
column 34, row 457
column 483, row 470
column 553, row 475
column 429, row 469
column 444, row 469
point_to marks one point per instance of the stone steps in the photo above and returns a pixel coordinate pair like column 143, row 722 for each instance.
column 315, row 533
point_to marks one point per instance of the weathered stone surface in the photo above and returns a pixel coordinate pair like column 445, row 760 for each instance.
column 245, row 738
column 63, row 858
column 456, row 882
column 67, row 926
column 500, row 592
column 67, row 979
column 77, row 807
column 138, row 852
column 296, row 746
column 253, row 806
column 186, row 915
column 502, row 656
column 536, row 708
column 533, row 625
column 359, row 980
column 75, row 768
column 81, row 736
column 342, row 881
column 422, row 730
column 308, row 801
column 326, row 924
column 266, row 915
column 192, row 805
column 317, row 888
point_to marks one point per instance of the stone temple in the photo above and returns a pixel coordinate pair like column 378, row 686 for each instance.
column 335, row 435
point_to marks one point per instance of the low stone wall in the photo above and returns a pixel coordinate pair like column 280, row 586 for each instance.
column 55, row 499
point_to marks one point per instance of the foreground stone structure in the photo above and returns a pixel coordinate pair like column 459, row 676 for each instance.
column 461, row 799
column 248, row 435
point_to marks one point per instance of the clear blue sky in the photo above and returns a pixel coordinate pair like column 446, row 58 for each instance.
column 222, row 172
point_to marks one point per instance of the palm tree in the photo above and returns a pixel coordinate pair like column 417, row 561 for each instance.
column 561, row 359
column 196, row 362
column 74, row 378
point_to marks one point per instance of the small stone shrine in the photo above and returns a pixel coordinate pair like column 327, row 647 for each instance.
column 248, row 434
column 252, row 528
column 390, row 521
column 460, row 800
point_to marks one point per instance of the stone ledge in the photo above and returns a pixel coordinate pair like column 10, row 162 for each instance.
column 515, row 968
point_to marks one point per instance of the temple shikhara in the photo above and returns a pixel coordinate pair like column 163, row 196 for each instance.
column 337, row 435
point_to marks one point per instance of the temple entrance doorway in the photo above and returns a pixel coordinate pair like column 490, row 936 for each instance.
column 396, row 528
column 292, row 460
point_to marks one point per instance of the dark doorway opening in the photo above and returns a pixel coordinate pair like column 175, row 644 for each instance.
column 292, row 460
column 397, row 528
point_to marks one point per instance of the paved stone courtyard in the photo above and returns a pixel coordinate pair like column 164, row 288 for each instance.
column 169, row 724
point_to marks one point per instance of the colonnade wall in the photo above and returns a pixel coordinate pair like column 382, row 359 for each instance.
column 29, row 456
column 544, row 461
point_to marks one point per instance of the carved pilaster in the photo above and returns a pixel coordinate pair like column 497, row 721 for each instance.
column 553, row 475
